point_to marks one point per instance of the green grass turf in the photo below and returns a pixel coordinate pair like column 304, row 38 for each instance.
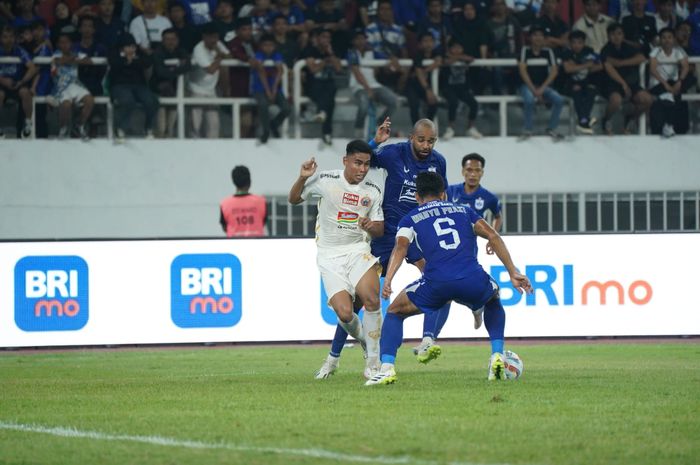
column 575, row 404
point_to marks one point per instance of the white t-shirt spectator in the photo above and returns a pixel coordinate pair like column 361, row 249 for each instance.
column 354, row 58
column 148, row 31
column 201, row 82
column 668, row 65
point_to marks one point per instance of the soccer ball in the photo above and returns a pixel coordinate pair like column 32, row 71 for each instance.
column 513, row 364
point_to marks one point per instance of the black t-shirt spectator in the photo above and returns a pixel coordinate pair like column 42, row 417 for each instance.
column 538, row 73
column 454, row 74
column 418, row 63
column 472, row 35
column 552, row 27
column 320, row 18
column 189, row 37
column 123, row 73
column 324, row 74
column 227, row 31
column 164, row 77
column 640, row 30
column 585, row 55
column 630, row 74
column 482, row 7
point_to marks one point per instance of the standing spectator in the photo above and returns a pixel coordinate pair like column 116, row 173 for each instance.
column 165, row 76
column 666, row 16
column 68, row 90
column 40, row 46
column 669, row 68
column 266, row 87
column 456, row 87
column 188, row 35
column 594, row 24
column 506, row 37
column 387, row 40
column 419, row 87
column 15, row 81
column 556, row 32
column 286, row 45
column 437, row 24
column 364, row 86
column 321, row 67
column 148, row 28
column 204, row 78
column 91, row 76
column 621, row 62
column 472, row 32
column 127, row 66
column 110, row 28
column 581, row 64
column 639, row 28
column 243, row 214
column 242, row 48
column 537, row 83
column 225, row 21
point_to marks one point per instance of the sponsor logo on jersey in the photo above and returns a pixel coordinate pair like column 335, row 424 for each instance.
column 348, row 217
column 408, row 194
column 366, row 201
column 329, row 175
column 406, row 170
column 455, row 199
column 51, row 293
column 350, row 199
column 371, row 184
column 205, row 290
column 479, row 204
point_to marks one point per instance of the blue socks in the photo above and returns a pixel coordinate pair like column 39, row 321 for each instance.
column 495, row 321
column 392, row 337
column 434, row 321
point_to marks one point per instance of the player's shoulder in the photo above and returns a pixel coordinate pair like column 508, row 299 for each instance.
column 485, row 192
column 372, row 186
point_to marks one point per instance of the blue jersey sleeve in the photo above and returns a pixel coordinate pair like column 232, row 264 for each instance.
column 495, row 206
column 382, row 156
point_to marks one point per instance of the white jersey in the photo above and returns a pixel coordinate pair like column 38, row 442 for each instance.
column 340, row 207
column 668, row 66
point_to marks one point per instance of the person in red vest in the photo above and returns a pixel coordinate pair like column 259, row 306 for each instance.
column 243, row 214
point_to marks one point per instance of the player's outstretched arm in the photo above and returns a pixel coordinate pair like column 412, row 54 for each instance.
column 520, row 282
column 383, row 132
column 395, row 261
column 308, row 168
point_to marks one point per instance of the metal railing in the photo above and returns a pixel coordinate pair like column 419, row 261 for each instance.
column 547, row 213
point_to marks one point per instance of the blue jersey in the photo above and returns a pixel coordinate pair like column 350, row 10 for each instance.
column 400, row 186
column 480, row 200
column 444, row 233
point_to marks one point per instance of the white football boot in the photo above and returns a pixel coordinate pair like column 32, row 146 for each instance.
column 329, row 367
column 387, row 376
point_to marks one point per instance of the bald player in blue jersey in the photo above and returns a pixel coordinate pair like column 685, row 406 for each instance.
column 446, row 235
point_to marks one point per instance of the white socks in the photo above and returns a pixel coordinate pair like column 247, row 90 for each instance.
column 353, row 328
column 372, row 324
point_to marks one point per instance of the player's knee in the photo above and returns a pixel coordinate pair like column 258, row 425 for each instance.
column 344, row 313
column 372, row 303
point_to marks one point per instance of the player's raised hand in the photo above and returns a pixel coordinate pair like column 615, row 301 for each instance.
column 489, row 248
column 364, row 223
column 521, row 283
column 308, row 168
column 386, row 290
column 383, row 131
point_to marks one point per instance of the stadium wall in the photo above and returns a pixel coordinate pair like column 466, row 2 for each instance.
column 175, row 291
column 171, row 188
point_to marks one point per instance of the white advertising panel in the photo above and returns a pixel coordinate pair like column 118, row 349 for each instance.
column 185, row 291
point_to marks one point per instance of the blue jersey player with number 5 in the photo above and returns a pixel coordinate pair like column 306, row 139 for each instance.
column 446, row 234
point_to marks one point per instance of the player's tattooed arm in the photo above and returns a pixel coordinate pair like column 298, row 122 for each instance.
column 395, row 261
column 308, row 168
column 374, row 228
column 520, row 282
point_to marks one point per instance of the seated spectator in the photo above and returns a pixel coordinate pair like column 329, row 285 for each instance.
column 147, row 29
column 506, row 39
column 408, row 13
column 581, row 67
column 594, row 24
column 260, row 17
column 15, row 81
column 526, row 11
column 387, row 41
column 198, row 12
column 682, row 9
column 90, row 76
column 694, row 22
column 287, row 46
column 165, row 76
column 456, row 87
column 419, row 87
column 40, row 46
column 68, row 90
column 556, row 32
column 619, row 9
column 437, row 24
column 225, row 20
column 64, row 22
column 482, row 8
column 367, row 12
column 243, row 214
column 537, row 83
column 139, row 6
column 266, row 87
column 639, row 28
column 188, row 35
column 683, row 31
column 472, row 32
column 204, row 78
column 666, row 16
column 127, row 66
column 25, row 14
column 621, row 62
column 669, row 70
column 109, row 28
column 296, row 21
column 364, row 86
column 327, row 16
column 242, row 48
column 321, row 67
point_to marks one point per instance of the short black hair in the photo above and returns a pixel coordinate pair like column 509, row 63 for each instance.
column 170, row 30
column 241, row 177
column 209, row 29
column 87, row 18
column 577, row 35
column 473, row 156
column 429, row 184
column 425, row 34
column 537, row 28
column 244, row 21
column 667, row 29
column 266, row 38
column 357, row 146
column 8, row 28
column 614, row 27
column 40, row 22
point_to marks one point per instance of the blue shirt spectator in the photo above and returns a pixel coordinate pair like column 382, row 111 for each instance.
column 618, row 9
column 199, row 11
column 694, row 21
column 408, row 12
column 256, row 85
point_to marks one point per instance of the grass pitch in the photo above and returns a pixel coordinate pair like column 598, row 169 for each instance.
column 616, row 403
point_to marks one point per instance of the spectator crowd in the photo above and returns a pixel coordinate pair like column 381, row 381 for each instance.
column 149, row 44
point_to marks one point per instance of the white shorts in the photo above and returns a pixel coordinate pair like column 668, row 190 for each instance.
column 74, row 93
column 343, row 272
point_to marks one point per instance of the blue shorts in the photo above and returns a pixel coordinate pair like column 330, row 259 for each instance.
column 473, row 291
column 383, row 252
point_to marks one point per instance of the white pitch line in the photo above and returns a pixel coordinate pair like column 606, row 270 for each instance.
column 69, row 432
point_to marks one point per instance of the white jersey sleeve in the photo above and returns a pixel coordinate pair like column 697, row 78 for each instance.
column 312, row 187
column 407, row 232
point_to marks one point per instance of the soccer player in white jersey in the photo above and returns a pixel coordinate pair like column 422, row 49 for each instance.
column 349, row 215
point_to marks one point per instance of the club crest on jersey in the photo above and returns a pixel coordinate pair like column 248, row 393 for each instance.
column 350, row 199
column 365, row 202
column 348, row 217
column 479, row 203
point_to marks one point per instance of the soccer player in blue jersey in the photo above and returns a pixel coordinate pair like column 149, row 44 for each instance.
column 446, row 235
